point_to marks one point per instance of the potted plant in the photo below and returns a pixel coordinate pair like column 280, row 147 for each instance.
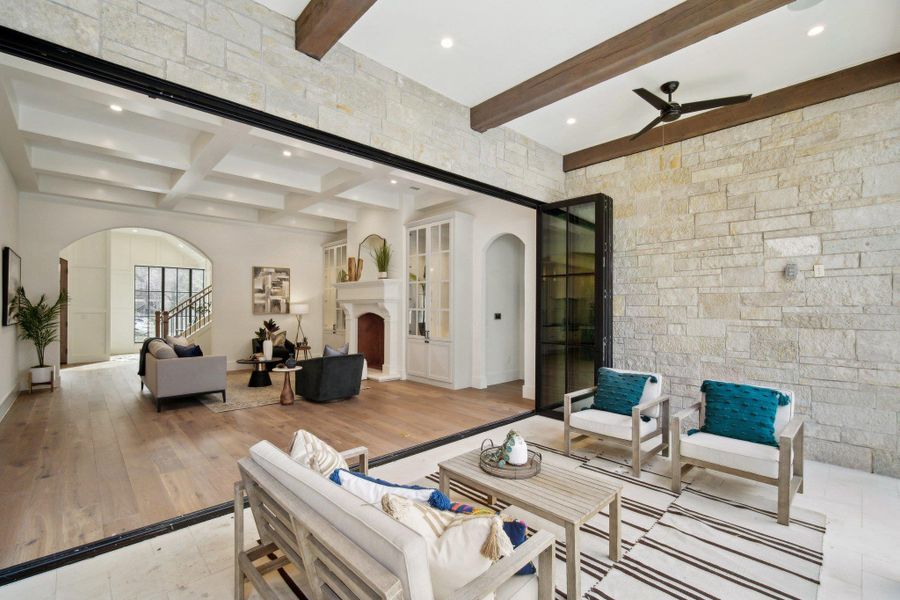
column 382, row 256
column 39, row 323
column 264, row 335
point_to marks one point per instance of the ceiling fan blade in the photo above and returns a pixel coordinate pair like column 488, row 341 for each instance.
column 657, row 102
column 649, row 126
column 690, row 107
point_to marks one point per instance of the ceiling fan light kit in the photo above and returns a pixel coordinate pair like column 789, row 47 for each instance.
column 671, row 111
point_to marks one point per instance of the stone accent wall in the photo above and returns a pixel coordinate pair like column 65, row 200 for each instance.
column 240, row 50
column 703, row 231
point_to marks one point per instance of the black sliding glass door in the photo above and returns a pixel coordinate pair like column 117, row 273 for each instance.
column 575, row 296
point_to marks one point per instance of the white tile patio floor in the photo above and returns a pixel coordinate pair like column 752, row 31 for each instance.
column 862, row 544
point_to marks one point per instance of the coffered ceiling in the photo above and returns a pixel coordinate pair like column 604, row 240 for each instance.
column 67, row 137
column 498, row 44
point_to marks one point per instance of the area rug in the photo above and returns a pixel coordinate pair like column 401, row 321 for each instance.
column 240, row 396
column 717, row 539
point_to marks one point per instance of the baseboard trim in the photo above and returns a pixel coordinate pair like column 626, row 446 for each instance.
column 79, row 553
column 7, row 402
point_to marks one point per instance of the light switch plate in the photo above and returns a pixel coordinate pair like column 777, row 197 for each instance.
column 819, row 270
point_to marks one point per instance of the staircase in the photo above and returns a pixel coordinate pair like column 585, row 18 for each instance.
column 186, row 318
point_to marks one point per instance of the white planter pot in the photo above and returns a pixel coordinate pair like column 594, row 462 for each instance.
column 382, row 275
column 41, row 374
column 519, row 453
column 267, row 349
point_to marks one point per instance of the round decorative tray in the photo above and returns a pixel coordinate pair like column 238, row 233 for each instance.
column 489, row 464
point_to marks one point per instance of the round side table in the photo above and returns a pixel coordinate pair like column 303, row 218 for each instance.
column 259, row 376
column 287, row 392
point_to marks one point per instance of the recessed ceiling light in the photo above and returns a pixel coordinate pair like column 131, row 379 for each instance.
column 393, row 182
column 815, row 30
column 115, row 107
column 134, row 231
column 570, row 121
column 286, row 152
column 447, row 42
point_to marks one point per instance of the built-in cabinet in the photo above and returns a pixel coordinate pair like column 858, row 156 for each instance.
column 334, row 260
column 439, row 307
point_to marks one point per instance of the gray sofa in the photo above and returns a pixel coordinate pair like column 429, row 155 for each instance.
column 171, row 378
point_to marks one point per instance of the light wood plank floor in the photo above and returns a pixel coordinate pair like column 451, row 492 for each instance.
column 94, row 459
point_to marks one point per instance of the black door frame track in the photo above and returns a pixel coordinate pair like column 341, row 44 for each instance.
column 47, row 53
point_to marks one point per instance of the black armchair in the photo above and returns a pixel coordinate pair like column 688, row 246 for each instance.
column 330, row 378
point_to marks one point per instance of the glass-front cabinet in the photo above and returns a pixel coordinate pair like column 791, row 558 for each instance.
column 333, row 319
column 575, row 295
column 434, row 250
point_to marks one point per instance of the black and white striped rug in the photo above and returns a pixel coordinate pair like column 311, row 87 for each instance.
column 717, row 539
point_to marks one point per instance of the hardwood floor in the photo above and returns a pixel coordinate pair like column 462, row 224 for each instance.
column 94, row 459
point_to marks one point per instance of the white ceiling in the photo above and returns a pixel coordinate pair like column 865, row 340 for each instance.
column 503, row 42
column 61, row 140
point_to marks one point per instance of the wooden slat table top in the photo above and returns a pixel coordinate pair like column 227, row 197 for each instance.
column 559, row 495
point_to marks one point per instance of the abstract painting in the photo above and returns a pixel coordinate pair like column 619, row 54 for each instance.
column 12, row 280
column 271, row 290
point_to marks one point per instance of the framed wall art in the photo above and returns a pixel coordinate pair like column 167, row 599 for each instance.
column 271, row 290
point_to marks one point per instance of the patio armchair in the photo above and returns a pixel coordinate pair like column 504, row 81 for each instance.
column 781, row 466
column 623, row 430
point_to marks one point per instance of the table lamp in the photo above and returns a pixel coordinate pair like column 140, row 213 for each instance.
column 299, row 310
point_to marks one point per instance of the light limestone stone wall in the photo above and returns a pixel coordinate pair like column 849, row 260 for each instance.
column 703, row 231
column 240, row 50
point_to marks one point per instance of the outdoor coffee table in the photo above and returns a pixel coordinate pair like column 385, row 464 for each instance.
column 566, row 497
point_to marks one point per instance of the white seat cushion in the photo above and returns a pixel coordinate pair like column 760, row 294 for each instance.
column 608, row 424
column 738, row 454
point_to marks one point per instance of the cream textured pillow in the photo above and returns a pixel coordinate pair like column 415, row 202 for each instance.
column 460, row 547
column 177, row 340
column 310, row 451
column 161, row 350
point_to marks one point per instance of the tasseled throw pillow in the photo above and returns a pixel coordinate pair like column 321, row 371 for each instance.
column 310, row 451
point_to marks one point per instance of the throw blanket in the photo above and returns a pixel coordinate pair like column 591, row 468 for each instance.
column 141, row 363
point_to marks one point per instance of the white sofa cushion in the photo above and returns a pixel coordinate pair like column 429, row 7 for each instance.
column 400, row 550
column 310, row 451
column 739, row 454
column 608, row 424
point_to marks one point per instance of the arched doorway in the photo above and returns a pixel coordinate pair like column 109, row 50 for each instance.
column 370, row 339
column 504, row 318
column 117, row 279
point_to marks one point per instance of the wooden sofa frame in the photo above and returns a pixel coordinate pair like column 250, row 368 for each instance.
column 292, row 533
column 638, row 456
column 790, row 455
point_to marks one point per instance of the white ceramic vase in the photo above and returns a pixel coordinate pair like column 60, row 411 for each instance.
column 519, row 453
column 382, row 275
column 267, row 349
column 41, row 374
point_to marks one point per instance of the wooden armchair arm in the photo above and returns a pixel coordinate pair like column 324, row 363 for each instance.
column 502, row 570
column 360, row 455
column 685, row 413
column 791, row 430
column 571, row 397
column 645, row 406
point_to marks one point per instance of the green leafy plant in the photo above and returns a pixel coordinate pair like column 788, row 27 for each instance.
column 265, row 332
column 382, row 256
column 342, row 276
column 38, row 322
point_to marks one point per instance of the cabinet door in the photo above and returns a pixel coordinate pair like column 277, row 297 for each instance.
column 439, row 361
column 417, row 357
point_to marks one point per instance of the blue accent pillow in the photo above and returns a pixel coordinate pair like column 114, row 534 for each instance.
column 619, row 392
column 742, row 412
column 517, row 532
column 188, row 351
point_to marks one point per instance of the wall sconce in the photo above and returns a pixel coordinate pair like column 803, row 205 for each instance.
column 790, row 271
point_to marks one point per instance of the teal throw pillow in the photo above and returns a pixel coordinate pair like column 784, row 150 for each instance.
column 619, row 392
column 742, row 412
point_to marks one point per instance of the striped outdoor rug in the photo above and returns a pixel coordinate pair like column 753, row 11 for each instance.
column 701, row 545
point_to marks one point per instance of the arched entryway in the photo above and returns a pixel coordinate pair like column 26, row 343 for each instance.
column 504, row 318
column 117, row 279
column 370, row 339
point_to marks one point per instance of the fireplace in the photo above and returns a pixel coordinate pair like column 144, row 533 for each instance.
column 370, row 339
column 374, row 324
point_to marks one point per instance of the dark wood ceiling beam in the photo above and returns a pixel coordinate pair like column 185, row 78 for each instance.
column 323, row 22
column 670, row 31
column 867, row 76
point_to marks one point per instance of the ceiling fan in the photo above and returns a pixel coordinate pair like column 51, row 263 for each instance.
column 670, row 111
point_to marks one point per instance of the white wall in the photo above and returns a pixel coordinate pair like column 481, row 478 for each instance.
column 48, row 226
column 504, row 294
column 9, row 218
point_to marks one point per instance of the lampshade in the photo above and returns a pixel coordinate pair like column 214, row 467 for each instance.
column 299, row 309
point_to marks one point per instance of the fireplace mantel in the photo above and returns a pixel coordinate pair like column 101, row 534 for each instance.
column 381, row 297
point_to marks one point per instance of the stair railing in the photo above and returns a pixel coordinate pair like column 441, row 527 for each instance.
column 187, row 317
